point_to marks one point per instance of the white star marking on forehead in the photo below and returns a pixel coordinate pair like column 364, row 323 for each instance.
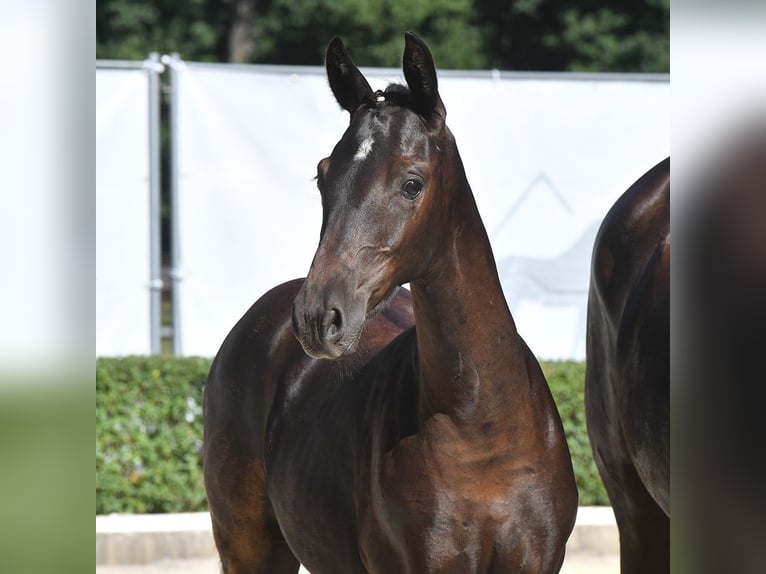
column 364, row 149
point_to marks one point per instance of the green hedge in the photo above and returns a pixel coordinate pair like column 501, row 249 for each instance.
column 149, row 433
column 567, row 382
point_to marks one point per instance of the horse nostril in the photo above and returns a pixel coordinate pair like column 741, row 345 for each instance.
column 334, row 325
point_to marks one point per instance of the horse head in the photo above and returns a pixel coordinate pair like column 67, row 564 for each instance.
column 383, row 199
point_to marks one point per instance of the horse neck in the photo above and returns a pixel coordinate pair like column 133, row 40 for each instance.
column 470, row 359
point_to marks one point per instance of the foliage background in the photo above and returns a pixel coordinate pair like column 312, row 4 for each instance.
column 550, row 35
column 149, row 433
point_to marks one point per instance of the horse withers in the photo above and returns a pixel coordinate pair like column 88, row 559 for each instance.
column 354, row 427
column 627, row 380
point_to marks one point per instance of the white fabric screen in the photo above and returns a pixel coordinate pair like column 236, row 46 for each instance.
column 546, row 158
column 122, row 213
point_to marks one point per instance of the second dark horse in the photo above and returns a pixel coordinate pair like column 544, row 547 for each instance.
column 627, row 380
column 354, row 427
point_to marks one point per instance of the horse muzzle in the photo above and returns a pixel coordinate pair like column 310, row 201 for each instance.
column 327, row 322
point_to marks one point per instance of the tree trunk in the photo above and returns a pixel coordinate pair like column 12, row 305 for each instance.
column 241, row 35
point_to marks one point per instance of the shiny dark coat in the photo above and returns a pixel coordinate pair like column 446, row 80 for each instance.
column 355, row 427
column 627, row 390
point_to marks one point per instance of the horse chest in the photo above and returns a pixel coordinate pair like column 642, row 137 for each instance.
column 444, row 503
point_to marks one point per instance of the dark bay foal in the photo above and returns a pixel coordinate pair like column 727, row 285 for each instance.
column 355, row 427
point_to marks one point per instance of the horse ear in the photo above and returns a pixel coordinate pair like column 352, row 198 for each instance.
column 420, row 73
column 346, row 81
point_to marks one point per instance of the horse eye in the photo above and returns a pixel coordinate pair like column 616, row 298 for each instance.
column 412, row 188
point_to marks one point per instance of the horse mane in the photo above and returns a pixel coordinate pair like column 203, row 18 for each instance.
column 394, row 94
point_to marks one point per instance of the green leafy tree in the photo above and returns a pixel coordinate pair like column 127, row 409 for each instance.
column 585, row 35
column 297, row 31
column 130, row 29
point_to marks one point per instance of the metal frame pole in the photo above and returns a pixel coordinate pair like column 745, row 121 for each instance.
column 174, row 63
column 154, row 68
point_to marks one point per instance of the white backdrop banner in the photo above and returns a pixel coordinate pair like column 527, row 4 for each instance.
column 122, row 212
column 546, row 157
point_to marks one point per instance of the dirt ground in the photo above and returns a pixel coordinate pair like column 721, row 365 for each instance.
column 579, row 563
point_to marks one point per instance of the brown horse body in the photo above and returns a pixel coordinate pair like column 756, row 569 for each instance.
column 354, row 427
column 627, row 390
